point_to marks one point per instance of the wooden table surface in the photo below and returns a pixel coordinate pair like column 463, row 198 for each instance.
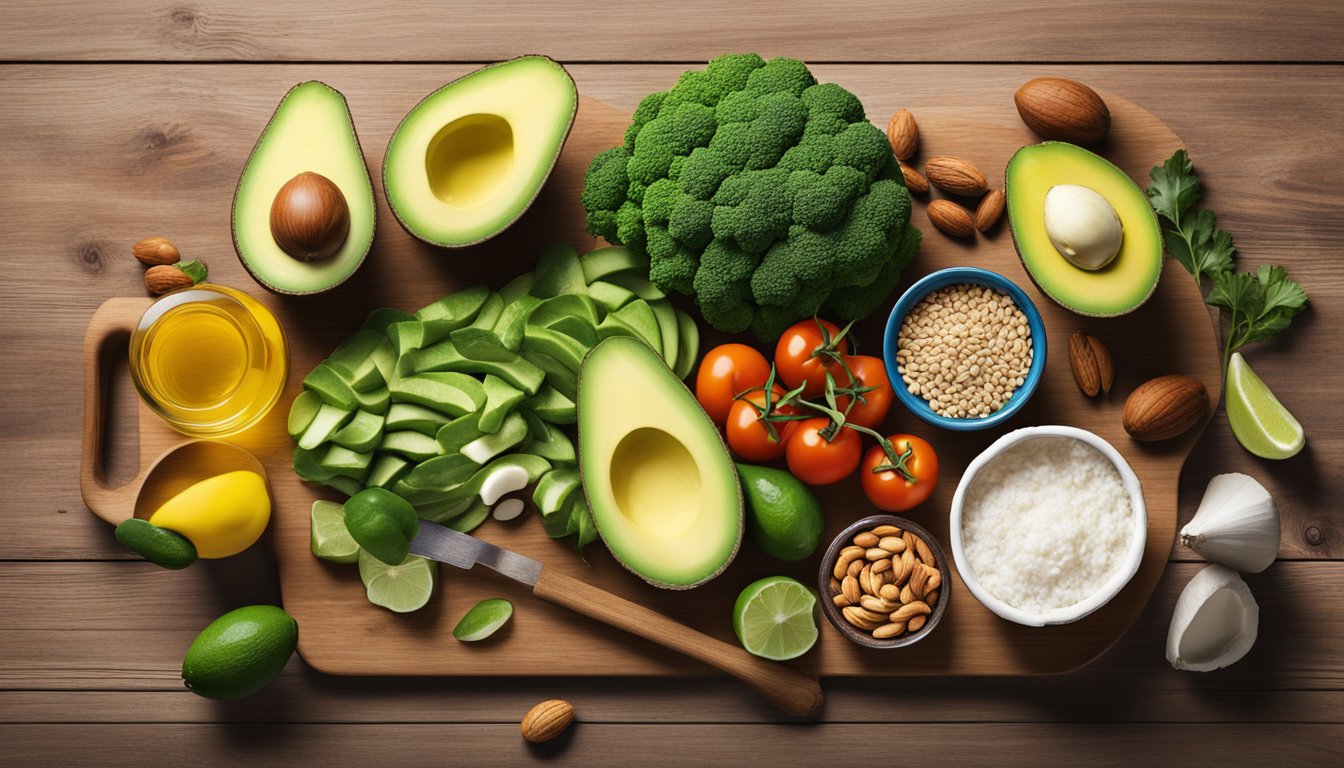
column 125, row 119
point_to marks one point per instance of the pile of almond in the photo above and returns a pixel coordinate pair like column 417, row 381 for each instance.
column 886, row 582
column 167, row 272
column 953, row 175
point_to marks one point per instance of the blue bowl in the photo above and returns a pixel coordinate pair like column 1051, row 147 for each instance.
column 954, row 276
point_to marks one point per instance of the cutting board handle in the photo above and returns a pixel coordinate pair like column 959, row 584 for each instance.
column 791, row 691
column 113, row 322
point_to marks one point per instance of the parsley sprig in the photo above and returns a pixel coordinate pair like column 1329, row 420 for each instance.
column 1256, row 305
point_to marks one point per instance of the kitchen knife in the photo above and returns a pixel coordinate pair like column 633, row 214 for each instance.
column 789, row 690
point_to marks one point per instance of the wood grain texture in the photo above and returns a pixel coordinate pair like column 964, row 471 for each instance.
column 693, row 30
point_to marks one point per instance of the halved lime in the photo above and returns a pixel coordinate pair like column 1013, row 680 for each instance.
column 401, row 588
column 328, row 536
column 483, row 620
column 1260, row 422
column 776, row 618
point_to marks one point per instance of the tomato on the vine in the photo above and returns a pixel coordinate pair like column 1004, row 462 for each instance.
column 748, row 435
column 871, row 408
column 805, row 354
column 894, row 490
column 727, row 371
column 818, row 461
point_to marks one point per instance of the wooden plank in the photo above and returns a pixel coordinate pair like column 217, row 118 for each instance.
column 158, row 148
column 125, row 626
column 851, row 30
column 586, row 744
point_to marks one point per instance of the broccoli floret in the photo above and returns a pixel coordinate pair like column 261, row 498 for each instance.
column 763, row 193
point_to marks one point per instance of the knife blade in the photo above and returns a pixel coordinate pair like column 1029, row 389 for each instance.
column 787, row 689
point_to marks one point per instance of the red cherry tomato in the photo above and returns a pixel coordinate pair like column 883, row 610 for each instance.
column 818, row 461
column 747, row 434
column 802, row 356
column 727, row 371
column 890, row 489
column 871, row 409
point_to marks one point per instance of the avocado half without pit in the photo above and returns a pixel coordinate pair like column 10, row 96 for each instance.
column 471, row 157
column 303, row 213
column 1083, row 229
column 663, row 491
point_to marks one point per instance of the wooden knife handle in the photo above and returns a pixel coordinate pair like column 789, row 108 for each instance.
column 791, row 691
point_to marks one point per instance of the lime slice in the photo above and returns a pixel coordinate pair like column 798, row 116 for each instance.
column 775, row 618
column 400, row 588
column 1260, row 422
column 483, row 620
column 327, row 534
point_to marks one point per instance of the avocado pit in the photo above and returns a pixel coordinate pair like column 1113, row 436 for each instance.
column 310, row 218
column 1082, row 225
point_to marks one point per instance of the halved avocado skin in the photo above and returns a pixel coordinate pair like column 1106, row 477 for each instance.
column 238, row 248
column 527, row 204
column 713, row 449
column 1137, row 221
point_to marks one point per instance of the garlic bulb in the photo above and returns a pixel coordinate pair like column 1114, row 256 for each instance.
column 1215, row 622
column 1236, row 524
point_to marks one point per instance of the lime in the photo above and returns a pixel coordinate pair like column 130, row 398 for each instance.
column 775, row 618
column 382, row 522
column 783, row 516
column 327, row 534
column 400, row 588
column 483, row 620
column 1260, row 422
column 239, row 653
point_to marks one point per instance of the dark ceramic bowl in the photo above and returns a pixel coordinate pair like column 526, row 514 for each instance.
column 856, row 635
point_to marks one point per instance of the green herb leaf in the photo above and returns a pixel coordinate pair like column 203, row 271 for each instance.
column 1258, row 306
column 1175, row 187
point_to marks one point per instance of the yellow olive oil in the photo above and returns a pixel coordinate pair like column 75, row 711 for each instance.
column 210, row 360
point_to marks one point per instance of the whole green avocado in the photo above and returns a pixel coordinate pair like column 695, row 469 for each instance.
column 765, row 194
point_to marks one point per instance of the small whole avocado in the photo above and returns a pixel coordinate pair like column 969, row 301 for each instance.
column 240, row 652
column 783, row 517
column 1105, row 282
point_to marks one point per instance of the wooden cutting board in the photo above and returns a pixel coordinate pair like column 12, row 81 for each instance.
column 341, row 633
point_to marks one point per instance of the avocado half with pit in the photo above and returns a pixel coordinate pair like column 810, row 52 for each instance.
column 303, row 212
column 660, row 483
column 1083, row 229
column 467, row 161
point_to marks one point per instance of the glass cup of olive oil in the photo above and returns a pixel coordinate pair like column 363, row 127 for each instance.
column 210, row 360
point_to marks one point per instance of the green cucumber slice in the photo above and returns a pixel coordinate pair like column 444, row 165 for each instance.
column 302, row 412
column 361, row 433
column 512, row 432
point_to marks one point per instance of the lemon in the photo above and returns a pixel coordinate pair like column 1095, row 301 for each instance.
column 221, row 516
column 775, row 618
column 399, row 588
column 327, row 534
column 1260, row 422
column 239, row 653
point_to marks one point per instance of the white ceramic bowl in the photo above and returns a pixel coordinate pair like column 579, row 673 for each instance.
column 1133, row 555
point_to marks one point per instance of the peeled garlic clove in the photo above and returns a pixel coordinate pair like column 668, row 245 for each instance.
column 1215, row 622
column 1236, row 524
column 508, row 509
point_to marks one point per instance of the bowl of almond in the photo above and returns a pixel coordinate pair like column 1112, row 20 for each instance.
column 884, row 580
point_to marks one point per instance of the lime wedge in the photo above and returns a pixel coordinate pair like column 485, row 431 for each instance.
column 483, row 620
column 1260, row 422
column 775, row 618
column 400, row 588
column 327, row 534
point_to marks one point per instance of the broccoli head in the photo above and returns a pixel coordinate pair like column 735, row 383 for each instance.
column 763, row 193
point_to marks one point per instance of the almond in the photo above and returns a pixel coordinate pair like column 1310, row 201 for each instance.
column 165, row 277
column 1062, row 109
column 547, row 720
column 989, row 211
column 155, row 251
column 914, row 180
column 1093, row 370
column 1165, row 407
column 955, row 175
column 903, row 134
column 951, row 218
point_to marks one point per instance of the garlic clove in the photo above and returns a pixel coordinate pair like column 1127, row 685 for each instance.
column 1215, row 622
column 508, row 509
column 1237, row 524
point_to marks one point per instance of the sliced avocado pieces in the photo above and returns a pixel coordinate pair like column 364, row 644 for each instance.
column 609, row 296
column 688, row 345
column 470, row 158
column 552, row 406
column 662, row 488
column 1130, row 278
column 558, row 272
column 311, row 131
column 611, row 260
